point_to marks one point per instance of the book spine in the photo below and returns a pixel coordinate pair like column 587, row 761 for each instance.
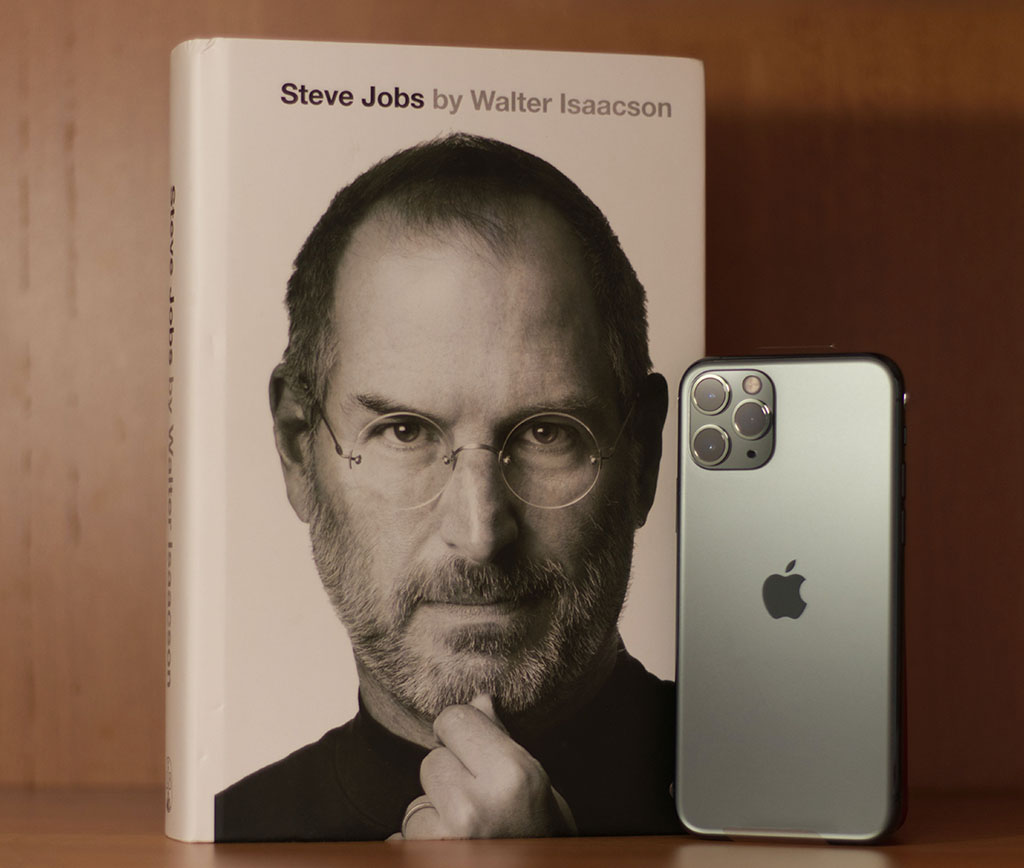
column 195, row 443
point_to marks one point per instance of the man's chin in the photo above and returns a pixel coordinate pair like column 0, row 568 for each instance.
column 502, row 654
column 475, row 649
column 499, row 628
column 455, row 678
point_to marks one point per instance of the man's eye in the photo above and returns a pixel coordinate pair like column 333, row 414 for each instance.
column 546, row 433
column 405, row 431
column 549, row 436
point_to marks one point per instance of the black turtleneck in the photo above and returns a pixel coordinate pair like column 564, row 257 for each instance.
column 612, row 762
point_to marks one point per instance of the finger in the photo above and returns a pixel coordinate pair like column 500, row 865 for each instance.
column 477, row 740
column 514, row 798
column 442, row 769
column 484, row 703
column 422, row 821
column 425, row 825
column 451, row 788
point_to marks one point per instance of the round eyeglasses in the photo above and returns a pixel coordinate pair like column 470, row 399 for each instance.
column 548, row 460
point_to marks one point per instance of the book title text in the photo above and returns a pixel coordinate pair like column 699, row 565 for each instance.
column 511, row 101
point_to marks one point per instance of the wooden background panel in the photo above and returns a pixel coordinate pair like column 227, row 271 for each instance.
column 865, row 188
column 907, row 239
column 79, row 700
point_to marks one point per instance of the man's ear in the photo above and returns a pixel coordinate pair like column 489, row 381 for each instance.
column 651, row 411
column 292, row 434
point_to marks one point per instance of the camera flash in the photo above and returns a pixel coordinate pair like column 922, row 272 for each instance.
column 751, row 385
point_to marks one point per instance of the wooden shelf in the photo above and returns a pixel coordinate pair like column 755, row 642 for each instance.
column 72, row 828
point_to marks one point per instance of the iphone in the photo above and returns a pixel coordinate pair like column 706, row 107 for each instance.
column 790, row 535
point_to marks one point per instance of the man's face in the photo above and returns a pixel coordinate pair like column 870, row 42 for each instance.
column 475, row 591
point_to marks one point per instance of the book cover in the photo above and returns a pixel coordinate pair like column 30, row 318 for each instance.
column 420, row 558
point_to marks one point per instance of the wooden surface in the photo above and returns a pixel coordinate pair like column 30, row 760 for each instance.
column 124, row 830
column 865, row 189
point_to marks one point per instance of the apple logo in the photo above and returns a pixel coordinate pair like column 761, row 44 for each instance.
column 782, row 594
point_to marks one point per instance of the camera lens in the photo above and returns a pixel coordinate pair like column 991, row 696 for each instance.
column 751, row 419
column 710, row 445
column 711, row 394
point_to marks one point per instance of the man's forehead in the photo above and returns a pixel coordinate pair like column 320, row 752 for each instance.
column 504, row 225
column 424, row 306
column 527, row 236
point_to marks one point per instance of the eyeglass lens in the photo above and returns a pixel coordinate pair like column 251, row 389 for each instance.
column 549, row 460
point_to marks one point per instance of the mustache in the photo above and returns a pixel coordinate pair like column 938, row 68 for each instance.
column 461, row 581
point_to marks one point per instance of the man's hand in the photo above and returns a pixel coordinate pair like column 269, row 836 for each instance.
column 481, row 784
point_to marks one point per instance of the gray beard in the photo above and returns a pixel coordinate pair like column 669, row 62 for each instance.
column 522, row 668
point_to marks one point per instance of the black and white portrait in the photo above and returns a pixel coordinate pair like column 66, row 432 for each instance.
column 468, row 423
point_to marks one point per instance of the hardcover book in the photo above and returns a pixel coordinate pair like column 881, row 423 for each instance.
column 423, row 305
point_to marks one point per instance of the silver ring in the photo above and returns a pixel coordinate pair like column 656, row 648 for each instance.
column 417, row 804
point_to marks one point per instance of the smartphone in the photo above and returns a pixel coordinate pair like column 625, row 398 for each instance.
column 790, row 532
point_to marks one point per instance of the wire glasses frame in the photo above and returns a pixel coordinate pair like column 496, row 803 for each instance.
column 549, row 460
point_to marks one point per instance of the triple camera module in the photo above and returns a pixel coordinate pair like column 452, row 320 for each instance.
column 731, row 415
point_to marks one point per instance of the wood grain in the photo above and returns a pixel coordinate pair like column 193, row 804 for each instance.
column 111, row 829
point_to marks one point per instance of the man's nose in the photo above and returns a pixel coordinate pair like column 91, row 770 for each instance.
column 478, row 520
